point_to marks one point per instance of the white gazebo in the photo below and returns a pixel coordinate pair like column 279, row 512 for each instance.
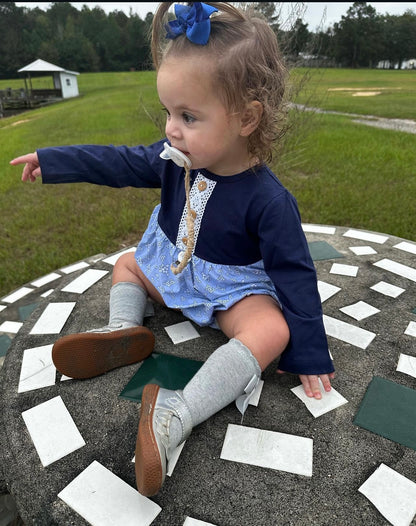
column 65, row 82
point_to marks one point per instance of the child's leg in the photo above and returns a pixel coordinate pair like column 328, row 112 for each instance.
column 167, row 417
column 258, row 322
column 126, row 269
column 128, row 295
column 123, row 341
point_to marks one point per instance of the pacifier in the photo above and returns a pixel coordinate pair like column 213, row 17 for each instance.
column 175, row 155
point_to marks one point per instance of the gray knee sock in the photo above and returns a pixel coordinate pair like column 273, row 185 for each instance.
column 127, row 306
column 229, row 373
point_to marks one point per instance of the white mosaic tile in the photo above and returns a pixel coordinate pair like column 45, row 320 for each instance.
column 344, row 270
column 406, row 246
column 330, row 400
column 37, row 369
column 46, row 279
column 149, row 310
column 360, row 310
column 189, row 521
column 76, row 266
column 47, row 293
column 53, row 318
column 97, row 257
column 397, row 268
column 363, row 251
column 182, row 332
column 407, row 365
column 175, row 454
column 85, row 281
column 387, row 289
column 268, row 449
column 326, row 290
column 411, row 329
column 392, row 494
column 103, row 499
column 17, row 295
column 52, row 430
column 366, row 236
column 112, row 260
column 12, row 327
column 174, row 459
column 348, row 333
column 319, row 229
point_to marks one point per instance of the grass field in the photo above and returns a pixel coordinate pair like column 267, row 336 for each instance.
column 336, row 89
column 342, row 173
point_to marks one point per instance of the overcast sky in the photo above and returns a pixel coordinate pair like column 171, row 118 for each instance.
column 316, row 14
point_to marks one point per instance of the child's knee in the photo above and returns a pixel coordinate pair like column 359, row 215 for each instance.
column 127, row 269
column 126, row 261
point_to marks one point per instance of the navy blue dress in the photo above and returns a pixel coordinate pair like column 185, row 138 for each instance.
column 248, row 240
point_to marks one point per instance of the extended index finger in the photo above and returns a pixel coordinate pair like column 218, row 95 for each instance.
column 23, row 159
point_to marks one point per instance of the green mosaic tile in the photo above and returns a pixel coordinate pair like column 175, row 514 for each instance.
column 389, row 409
column 26, row 310
column 322, row 250
column 5, row 342
column 170, row 372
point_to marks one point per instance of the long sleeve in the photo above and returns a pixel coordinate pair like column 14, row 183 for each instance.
column 288, row 262
column 115, row 166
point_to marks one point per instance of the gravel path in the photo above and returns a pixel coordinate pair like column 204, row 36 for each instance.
column 403, row 125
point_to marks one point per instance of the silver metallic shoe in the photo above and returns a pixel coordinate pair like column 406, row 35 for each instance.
column 153, row 447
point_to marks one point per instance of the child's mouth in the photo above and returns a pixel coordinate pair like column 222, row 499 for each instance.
column 176, row 155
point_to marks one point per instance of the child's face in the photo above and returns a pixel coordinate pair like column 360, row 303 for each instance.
column 197, row 121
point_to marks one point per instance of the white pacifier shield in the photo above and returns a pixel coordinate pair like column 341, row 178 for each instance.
column 175, row 155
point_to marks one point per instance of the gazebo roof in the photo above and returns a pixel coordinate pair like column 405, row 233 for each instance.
column 40, row 65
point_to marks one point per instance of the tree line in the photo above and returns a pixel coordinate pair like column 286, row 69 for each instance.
column 361, row 39
column 91, row 40
column 78, row 40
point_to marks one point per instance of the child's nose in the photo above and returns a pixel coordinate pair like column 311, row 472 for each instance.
column 172, row 129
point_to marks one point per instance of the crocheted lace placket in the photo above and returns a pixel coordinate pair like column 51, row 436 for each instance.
column 198, row 199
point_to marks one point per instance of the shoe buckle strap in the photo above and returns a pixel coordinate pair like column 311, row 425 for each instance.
column 178, row 405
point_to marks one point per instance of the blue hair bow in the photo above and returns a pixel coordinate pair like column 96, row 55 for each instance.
column 193, row 21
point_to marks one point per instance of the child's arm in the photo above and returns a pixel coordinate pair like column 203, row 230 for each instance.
column 31, row 169
column 116, row 166
column 289, row 264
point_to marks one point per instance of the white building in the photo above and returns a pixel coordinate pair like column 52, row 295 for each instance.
column 406, row 64
column 64, row 81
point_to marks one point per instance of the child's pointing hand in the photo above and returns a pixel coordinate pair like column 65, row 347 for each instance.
column 32, row 167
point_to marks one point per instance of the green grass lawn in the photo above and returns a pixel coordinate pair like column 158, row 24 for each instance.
column 327, row 89
column 354, row 175
column 341, row 173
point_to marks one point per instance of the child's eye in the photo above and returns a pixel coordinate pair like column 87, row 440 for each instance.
column 187, row 118
column 165, row 110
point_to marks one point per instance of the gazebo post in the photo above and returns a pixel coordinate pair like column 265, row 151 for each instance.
column 27, row 92
column 30, row 89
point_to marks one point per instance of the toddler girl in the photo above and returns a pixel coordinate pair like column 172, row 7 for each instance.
column 227, row 248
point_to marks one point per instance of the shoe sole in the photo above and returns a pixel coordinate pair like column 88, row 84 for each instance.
column 89, row 354
column 149, row 476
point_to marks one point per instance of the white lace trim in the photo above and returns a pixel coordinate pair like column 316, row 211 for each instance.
column 198, row 199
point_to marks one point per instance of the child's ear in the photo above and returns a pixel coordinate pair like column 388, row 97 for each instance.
column 251, row 117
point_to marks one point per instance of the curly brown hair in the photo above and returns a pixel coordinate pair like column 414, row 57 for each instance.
column 248, row 66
